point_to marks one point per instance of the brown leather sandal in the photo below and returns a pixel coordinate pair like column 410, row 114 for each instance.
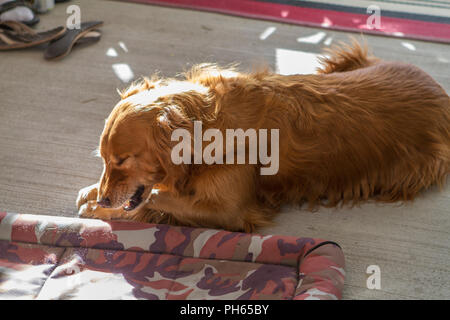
column 61, row 47
column 16, row 35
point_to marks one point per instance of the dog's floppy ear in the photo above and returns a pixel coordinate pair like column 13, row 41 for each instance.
column 167, row 121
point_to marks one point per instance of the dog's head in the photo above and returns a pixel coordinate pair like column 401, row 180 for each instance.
column 136, row 145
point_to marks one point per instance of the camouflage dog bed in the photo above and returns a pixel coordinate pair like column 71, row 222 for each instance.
column 48, row 257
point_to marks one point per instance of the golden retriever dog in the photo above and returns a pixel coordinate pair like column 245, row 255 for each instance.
column 359, row 129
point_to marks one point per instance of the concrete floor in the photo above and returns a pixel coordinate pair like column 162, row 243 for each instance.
column 52, row 113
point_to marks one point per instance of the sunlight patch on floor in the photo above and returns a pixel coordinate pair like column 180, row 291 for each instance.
column 409, row 46
column 328, row 41
column 123, row 46
column 266, row 33
column 123, row 72
column 315, row 38
column 290, row 62
column 111, row 52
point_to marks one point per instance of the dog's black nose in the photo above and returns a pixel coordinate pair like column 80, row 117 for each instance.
column 104, row 202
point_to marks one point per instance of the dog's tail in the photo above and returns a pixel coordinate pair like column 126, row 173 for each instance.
column 346, row 57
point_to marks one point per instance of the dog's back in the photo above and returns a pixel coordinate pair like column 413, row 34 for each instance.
column 380, row 130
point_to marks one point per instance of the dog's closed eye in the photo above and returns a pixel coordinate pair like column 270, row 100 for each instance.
column 120, row 161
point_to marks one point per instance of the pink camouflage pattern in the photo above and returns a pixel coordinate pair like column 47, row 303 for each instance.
column 48, row 257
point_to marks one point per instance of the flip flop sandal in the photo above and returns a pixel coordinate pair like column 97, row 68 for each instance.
column 11, row 5
column 61, row 47
column 90, row 37
column 16, row 35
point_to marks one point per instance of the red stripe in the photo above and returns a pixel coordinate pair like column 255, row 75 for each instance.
column 415, row 29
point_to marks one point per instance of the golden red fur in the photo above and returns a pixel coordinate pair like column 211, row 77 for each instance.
column 361, row 128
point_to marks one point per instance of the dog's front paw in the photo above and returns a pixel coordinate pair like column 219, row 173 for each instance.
column 87, row 194
column 92, row 209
